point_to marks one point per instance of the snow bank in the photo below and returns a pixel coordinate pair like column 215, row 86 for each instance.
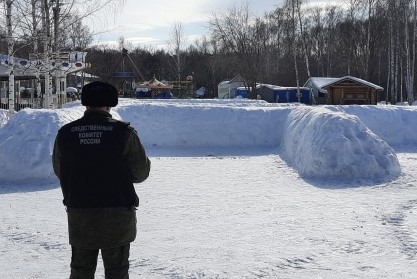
column 397, row 125
column 320, row 142
column 325, row 144
column 26, row 143
column 207, row 124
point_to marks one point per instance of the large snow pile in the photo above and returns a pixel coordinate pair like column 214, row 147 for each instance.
column 326, row 144
column 338, row 142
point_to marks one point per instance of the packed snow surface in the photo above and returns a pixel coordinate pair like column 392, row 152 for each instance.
column 238, row 189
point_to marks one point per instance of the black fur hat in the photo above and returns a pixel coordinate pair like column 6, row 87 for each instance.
column 99, row 94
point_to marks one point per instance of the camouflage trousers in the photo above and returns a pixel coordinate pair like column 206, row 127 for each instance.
column 115, row 261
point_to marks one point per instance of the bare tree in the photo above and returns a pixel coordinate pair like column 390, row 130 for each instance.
column 276, row 30
column 410, row 47
column 369, row 48
column 176, row 46
column 78, row 35
column 332, row 17
column 10, row 43
column 351, row 34
column 291, row 8
column 392, row 46
column 317, row 34
column 298, row 5
column 244, row 38
column 412, row 76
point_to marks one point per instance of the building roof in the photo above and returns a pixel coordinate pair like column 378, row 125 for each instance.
column 291, row 88
column 20, row 73
column 355, row 79
column 237, row 78
column 27, row 69
column 226, row 81
column 318, row 82
column 321, row 83
column 154, row 84
column 270, row 86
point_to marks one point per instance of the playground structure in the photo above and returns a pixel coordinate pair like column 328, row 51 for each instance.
column 37, row 82
column 122, row 78
column 128, row 79
column 153, row 89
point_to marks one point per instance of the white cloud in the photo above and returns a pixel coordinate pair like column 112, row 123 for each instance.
column 151, row 22
column 141, row 39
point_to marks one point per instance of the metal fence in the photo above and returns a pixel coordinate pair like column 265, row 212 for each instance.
column 58, row 100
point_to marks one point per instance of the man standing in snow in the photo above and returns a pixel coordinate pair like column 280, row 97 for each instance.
column 97, row 159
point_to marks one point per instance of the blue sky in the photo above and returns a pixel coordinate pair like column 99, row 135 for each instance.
column 150, row 23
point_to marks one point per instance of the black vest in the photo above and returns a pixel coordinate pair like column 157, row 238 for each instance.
column 93, row 170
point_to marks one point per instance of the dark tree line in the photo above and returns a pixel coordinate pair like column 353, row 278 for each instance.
column 370, row 39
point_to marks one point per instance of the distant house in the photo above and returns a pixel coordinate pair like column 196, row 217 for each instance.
column 278, row 94
column 346, row 90
column 319, row 94
column 228, row 89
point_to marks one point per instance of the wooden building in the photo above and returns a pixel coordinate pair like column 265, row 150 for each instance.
column 350, row 90
column 319, row 95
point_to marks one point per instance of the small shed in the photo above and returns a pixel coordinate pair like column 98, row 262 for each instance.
column 292, row 95
column 227, row 88
column 242, row 92
column 350, row 90
column 266, row 91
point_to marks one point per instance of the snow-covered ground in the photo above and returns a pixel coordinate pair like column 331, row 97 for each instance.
column 238, row 189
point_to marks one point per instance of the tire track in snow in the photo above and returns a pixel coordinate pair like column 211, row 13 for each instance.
column 17, row 237
column 276, row 269
column 403, row 233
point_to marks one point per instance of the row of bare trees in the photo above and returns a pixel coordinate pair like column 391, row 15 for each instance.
column 38, row 29
column 58, row 22
column 371, row 39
